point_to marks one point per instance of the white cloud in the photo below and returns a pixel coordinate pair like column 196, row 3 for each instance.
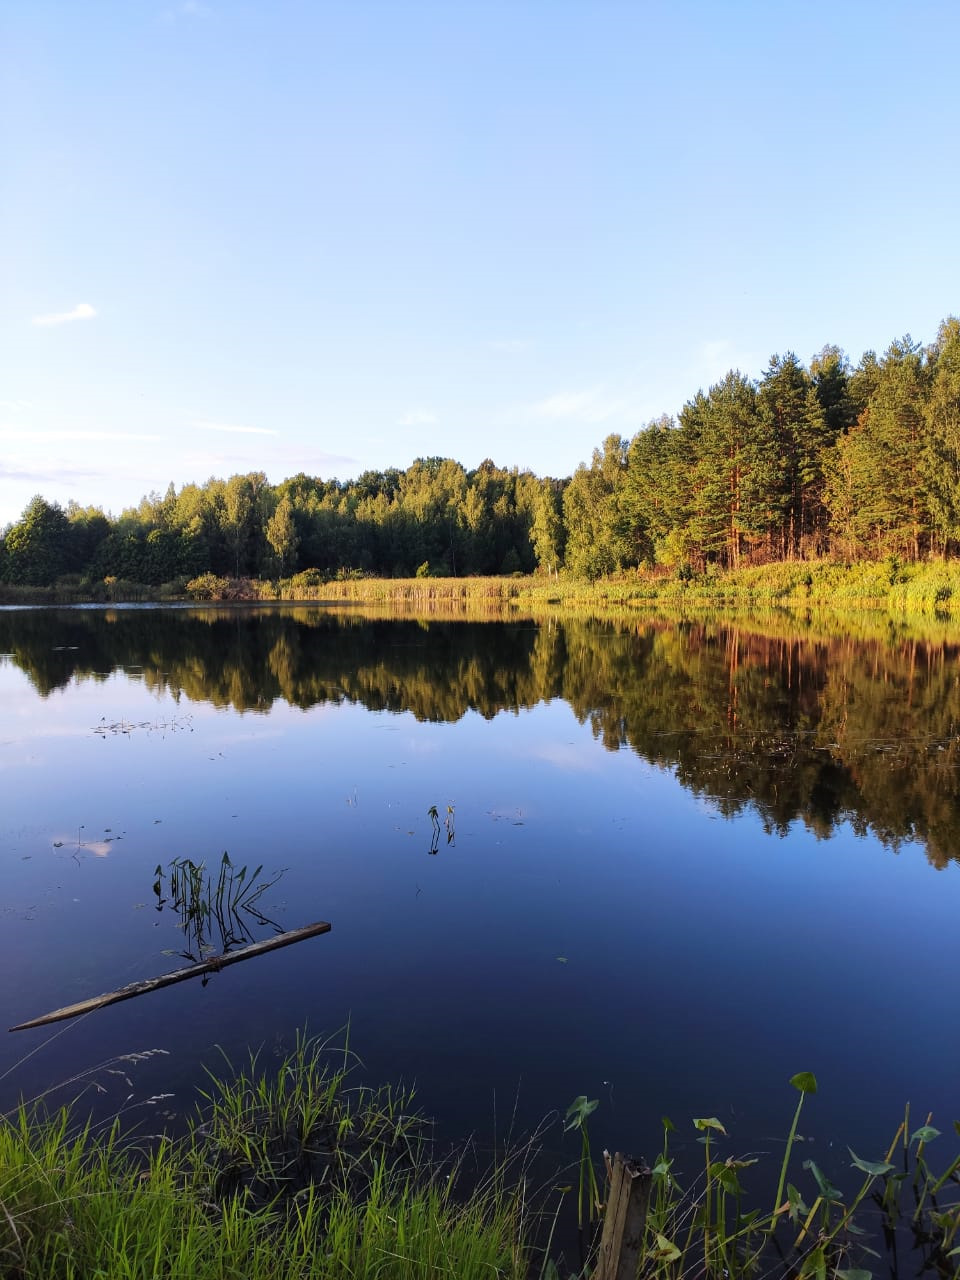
column 586, row 406
column 417, row 418
column 232, row 427
column 82, row 311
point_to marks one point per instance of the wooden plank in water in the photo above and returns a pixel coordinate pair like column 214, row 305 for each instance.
column 213, row 965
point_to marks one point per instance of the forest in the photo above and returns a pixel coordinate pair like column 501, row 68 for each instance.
column 826, row 459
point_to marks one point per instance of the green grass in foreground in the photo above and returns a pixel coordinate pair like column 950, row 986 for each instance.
column 289, row 1174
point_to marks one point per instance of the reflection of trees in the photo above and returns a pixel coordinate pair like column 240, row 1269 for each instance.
column 823, row 730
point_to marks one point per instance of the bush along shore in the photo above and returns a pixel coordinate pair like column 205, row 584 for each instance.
column 292, row 1173
column 900, row 589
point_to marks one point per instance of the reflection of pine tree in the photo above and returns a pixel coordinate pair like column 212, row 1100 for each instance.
column 818, row 731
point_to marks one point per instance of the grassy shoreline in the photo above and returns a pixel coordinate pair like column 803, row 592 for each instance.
column 902, row 590
column 294, row 1173
column 291, row 1173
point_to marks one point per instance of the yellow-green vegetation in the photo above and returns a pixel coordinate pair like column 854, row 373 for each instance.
column 839, row 591
column 901, row 589
column 285, row 1175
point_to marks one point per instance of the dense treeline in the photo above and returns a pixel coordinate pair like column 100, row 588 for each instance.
column 818, row 729
column 433, row 518
column 858, row 462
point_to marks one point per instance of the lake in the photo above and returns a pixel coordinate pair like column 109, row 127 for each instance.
column 672, row 863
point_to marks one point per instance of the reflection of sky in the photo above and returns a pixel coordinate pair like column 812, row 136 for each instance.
column 705, row 961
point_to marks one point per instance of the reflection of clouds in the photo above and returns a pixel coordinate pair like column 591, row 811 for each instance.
column 99, row 848
column 67, row 845
column 567, row 755
column 52, row 731
column 34, row 762
column 423, row 747
column 248, row 739
column 707, row 805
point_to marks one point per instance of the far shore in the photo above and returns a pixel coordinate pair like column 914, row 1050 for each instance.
column 928, row 590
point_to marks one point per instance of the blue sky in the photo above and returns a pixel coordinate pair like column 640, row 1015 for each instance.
column 334, row 236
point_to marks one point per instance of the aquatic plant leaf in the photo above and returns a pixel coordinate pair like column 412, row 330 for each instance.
column 815, row 1264
column 666, row 1251
column 795, row 1202
column 826, row 1188
column 926, row 1133
column 668, row 1125
column 578, row 1111
column 855, row 1273
column 876, row 1168
column 710, row 1122
column 729, row 1181
column 805, row 1081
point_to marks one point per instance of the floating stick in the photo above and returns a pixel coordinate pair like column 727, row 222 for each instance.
column 212, row 965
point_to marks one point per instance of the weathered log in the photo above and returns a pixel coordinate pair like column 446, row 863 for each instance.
column 624, row 1220
column 212, row 965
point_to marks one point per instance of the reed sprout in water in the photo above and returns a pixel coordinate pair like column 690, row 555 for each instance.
column 214, row 915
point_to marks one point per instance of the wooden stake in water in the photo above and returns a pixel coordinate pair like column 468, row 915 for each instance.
column 624, row 1220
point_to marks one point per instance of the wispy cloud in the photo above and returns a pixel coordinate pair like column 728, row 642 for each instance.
column 82, row 311
column 591, row 405
column 46, row 475
column 715, row 359
column 188, row 9
column 283, row 460
column 417, row 418
column 510, row 345
column 232, row 428
column 21, row 433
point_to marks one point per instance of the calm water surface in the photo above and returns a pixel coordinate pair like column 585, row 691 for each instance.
column 687, row 861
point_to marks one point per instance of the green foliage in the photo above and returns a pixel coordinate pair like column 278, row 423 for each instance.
column 597, row 530
column 708, row 1228
column 287, row 1172
column 209, row 587
column 589, row 1200
column 862, row 463
column 35, row 548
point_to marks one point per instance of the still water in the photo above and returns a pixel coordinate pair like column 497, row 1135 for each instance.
column 675, row 864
